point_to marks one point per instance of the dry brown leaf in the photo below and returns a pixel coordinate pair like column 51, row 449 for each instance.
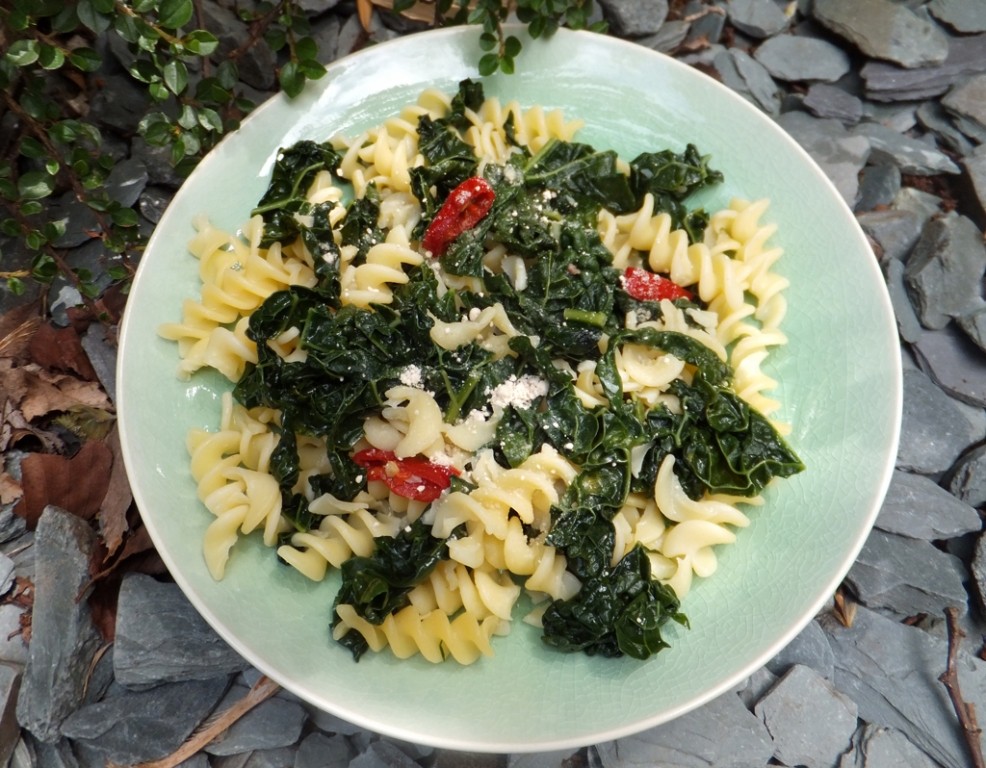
column 60, row 349
column 10, row 489
column 77, row 485
column 37, row 392
column 14, row 429
column 17, row 328
column 112, row 515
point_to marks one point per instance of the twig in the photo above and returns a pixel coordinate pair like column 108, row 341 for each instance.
column 262, row 690
column 965, row 711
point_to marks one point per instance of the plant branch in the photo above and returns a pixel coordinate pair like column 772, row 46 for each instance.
column 965, row 711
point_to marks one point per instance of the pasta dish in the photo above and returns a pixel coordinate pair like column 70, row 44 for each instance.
column 487, row 372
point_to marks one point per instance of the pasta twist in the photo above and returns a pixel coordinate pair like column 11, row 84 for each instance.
column 369, row 283
column 433, row 634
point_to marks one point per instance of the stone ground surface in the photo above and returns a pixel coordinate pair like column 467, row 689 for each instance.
column 888, row 98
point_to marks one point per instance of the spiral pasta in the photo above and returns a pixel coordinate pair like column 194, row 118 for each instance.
column 427, row 463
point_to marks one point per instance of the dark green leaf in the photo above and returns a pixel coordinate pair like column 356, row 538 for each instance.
column 23, row 52
column 35, row 185
column 200, row 42
column 85, row 59
column 173, row 14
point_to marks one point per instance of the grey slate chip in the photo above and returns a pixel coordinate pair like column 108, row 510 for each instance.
column 839, row 154
column 966, row 16
column 136, row 726
column 810, row 721
column 722, row 733
column 757, row 18
column 885, row 30
column 907, row 576
column 810, row 648
column 945, row 270
column 968, row 481
column 935, row 428
column 830, row 101
column 954, row 362
column 967, row 103
column 799, row 58
column 913, row 156
column 63, row 638
column 918, row 507
column 635, row 18
column 273, row 723
column 160, row 637
column 890, row 82
column 887, row 691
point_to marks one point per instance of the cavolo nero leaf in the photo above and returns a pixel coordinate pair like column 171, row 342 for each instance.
column 378, row 584
column 284, row 201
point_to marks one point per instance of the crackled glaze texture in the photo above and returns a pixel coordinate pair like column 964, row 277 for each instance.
column 840, row 386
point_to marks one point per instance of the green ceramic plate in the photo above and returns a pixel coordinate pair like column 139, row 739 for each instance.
column 840, row 385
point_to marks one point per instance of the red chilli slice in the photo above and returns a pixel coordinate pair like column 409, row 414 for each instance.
column 462, row 210
column 644, row 285
column 412, row 478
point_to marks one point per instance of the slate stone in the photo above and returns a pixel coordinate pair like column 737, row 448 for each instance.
column 136, row 726
column 273, row 723
column 668, row 38
column 884, row 29
column 934, row 119
column 10, row 679
column 922, row 204
column 125, row 181
column 889, row 82
column 907, row 576
column 895, row 231
column 530, row 760
column 758, row 84
column 908, row 325
column 257, row 65
column 974, row 326
column 977, row 567
column 383, row 754
column 912, row 156
column 810, row 722
column 954, row 363
column 810, row 648
column 634, row 18
column 56, row 755
column 756, row 686
column 79, row 221
column 63, row 638
column 965, row 16
column 706, row 25
column 968, row 481
column 935, row 428
column 901, row 118
column 889, row 748
column 967, row 104
column 318, row 750
column 876, row 659
column 974, row 175
column 831, row 102
column 282, row 757
column 102, row 356
column 119, row 104
column 741, row 740
column 757, row 18
column 797, row 58
column 879, row 185
column 945, row 270
column 839, row 154
column 918, row 507
column 160, row 637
